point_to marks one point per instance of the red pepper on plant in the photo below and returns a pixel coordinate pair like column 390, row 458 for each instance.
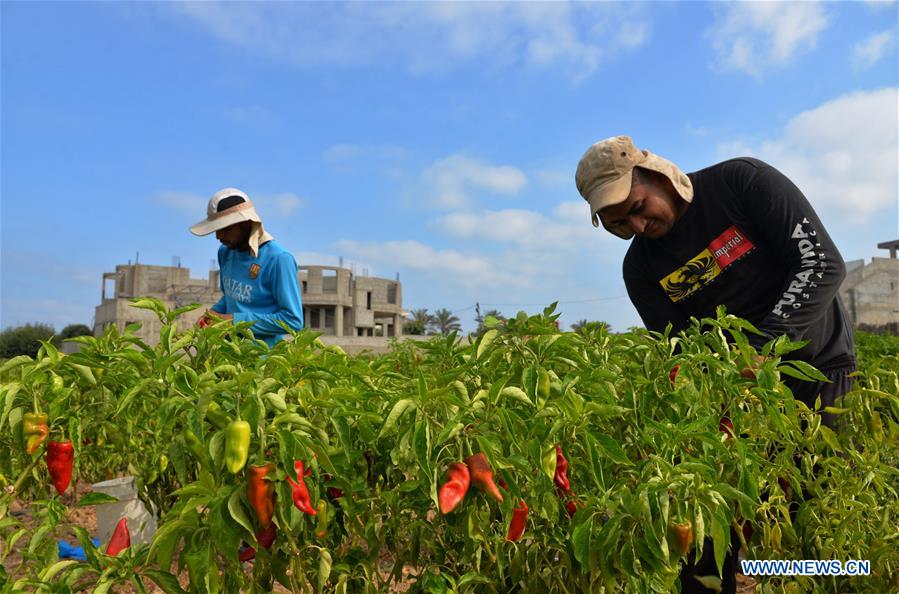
column 261, row 493
column 246, row 554
column 482, row 475
column 682, row 537
column 454, row 489
column 672, row 375
column 60, row 459
column 519, row 520
column 266, row 536
column 300, row 493
column 725, row 425
column 561, row 477
column 120, row 539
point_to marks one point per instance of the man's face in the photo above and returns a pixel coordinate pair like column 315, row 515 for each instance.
column 650, row 210
column 235, row 236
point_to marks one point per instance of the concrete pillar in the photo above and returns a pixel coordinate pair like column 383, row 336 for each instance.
column 397, row 326
column 338, row 320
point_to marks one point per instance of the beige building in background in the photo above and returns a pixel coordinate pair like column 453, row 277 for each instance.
column 336, row 302
column 870, row 291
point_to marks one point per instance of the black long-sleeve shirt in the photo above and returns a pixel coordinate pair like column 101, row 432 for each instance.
column 749, row 240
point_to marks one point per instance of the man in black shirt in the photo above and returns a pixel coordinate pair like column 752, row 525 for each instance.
column 738, row 234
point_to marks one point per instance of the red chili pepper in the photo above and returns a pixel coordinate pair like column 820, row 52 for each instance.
column 561, row 477
column 120, row 539
column 261, row 493
column 266, row 536
column 519, row 520
column 301, row 499
column 682, row 537
column 725, row 425
column 246, row 554
column 454, row 489
column 672, row 375
column 60, row 459
column 747, row 530
column 571, row 506
column 482, row 475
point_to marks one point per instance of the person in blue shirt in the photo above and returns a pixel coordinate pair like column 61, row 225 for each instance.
column 258, row 277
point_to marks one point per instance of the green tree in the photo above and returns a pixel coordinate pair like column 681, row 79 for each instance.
column 582, row 324
column 24, row 340
column 445, row 322
column 419, row 322
column 71, row 331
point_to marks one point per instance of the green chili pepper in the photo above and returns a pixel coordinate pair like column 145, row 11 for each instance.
column 237, row 445
column 216, row 416
column 322, row 512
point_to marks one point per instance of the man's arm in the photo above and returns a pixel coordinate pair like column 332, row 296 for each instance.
column 286, row 290
column 789, row 226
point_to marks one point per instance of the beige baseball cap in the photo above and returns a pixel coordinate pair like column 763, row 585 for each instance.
column 605, row 172
column 226, row 207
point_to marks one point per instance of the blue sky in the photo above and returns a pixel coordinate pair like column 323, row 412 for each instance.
column 434, row 140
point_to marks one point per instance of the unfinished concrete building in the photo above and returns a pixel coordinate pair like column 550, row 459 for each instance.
column 170, row 284
column 870, row 291
column 339, row 303
column 336, row 302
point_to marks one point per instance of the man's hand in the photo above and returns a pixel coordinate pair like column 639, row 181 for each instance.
column 211, row 316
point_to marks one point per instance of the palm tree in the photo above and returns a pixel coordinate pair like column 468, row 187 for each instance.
column 576, row 327
column 419, row 322
column 445, row 322
column 490, row 313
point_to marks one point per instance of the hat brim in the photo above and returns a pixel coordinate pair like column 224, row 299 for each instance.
column 610, row 193
column 207, row 226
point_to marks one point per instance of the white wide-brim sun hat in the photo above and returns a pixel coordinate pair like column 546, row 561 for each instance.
column 226, row 207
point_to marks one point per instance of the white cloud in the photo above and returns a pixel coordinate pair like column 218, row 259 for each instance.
column 277, row 206
column 345, row 152
column 327, row 259
column 453, row 180
column 841, row 154
column 555, row 178
column 568, row 230
column 870, row 50
column 342, row 152
column 449, row 266
column 755, row 36
column 427, row 36
column 253, row 115
column 186, row 202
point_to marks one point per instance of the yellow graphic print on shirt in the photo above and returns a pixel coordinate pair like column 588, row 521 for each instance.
column 691, row 277
column 702, row 269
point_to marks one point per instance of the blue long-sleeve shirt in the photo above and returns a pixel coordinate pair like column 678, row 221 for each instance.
column 263, row 290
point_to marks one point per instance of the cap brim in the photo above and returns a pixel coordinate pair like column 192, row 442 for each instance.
column 206, row 226
column 607, row 194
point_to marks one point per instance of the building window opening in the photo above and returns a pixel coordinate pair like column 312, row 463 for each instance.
column 329, row 281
